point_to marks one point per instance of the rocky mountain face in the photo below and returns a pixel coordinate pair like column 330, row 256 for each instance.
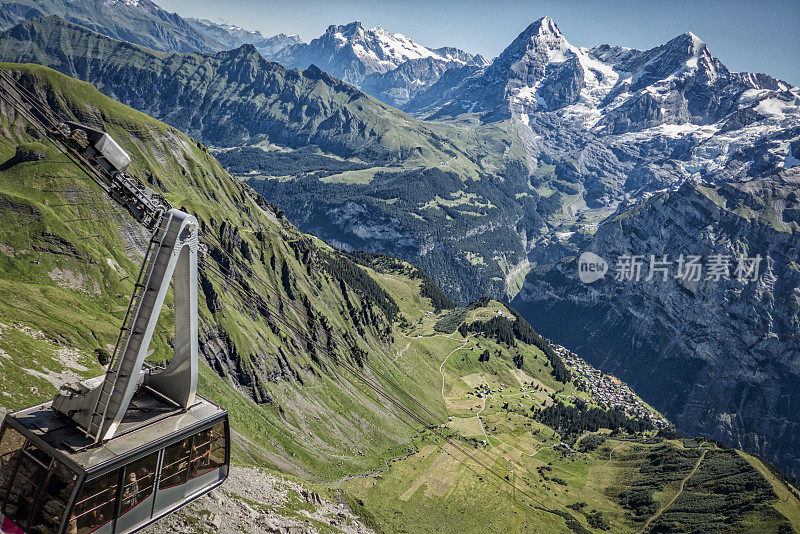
column 399, row 85
column 608, row 88
column 137, row 21
column 230, row 36
column 720, row 357
column 610, row 111
column 390, row 67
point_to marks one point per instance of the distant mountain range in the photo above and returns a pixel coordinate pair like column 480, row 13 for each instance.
column 391, row 67
column 137, row 21
column 542, row 71
column 229, row 37
column 230, row 98
column 388, row 66
column 144, row 23
column 237, row 98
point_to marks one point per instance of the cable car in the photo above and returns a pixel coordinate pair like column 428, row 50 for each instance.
column 160, row 459
column 117, row 452
column 100, row 146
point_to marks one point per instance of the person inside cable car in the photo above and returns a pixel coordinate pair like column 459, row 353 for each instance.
column 201, row 452
column 130, row 493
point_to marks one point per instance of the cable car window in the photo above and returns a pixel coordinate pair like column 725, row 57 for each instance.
column 95, row 505
column 28, row 480
column 201, row 452
column 53, row 499
column 208, row 450
column 138, row 481
column 219, row 445
column 176, row 464
column 38, row 454
column 11, row 444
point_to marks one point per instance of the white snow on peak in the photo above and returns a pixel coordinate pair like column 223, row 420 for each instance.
column 599, row 77
column 548, row 26
column 387, row 50
column 697, row 43
column 233, row 27
column 777, row 107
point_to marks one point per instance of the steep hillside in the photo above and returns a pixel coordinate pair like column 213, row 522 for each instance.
column 136, row 21
column 69, row 256
column 355, row 372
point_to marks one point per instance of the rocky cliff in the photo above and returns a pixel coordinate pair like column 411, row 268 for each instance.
column 720, row 357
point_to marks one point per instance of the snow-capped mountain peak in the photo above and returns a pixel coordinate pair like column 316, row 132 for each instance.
column 542, row 37
column 354, row 53
column 677, row 90
column 379, row 49
column 546, row 26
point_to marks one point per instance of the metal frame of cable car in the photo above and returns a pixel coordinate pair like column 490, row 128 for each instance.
column 105, row 430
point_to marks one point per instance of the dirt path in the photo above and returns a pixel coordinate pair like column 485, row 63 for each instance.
column 480, row 422
column 683, row 486
column 612, row 452
column 489, row 443
column 420, row 336
column 400, row 354
column 540, row 449
column 441, row 367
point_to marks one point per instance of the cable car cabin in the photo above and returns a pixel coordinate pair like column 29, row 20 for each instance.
column 100, row 146
column 114, row 453
column 53, row 479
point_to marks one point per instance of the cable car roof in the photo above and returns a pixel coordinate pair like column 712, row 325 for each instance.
column 148, row 423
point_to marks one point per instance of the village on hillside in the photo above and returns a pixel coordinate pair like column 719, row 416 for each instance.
column 608, row 391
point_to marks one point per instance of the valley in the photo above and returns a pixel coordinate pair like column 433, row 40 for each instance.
column 390, row 303
column 440, row 381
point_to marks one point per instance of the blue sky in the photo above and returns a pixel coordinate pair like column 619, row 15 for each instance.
column 745, row 36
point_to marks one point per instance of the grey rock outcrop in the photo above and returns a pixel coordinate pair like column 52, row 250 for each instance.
column 719, row 358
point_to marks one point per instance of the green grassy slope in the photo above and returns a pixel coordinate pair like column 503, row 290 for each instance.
column 288, row 369
column 69, row 256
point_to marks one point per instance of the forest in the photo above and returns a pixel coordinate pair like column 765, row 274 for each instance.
column 573, row 420
column 244, row 160
column 506, row 331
